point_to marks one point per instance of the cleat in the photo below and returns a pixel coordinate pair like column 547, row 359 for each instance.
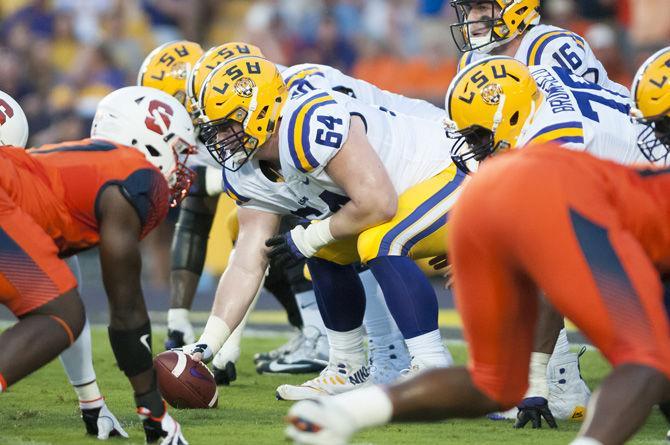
column 319, row 422
column 309, row 357
column 294, row 343
column 388, row 358
column 224, row 376
column 568, row 393
column 336, row 378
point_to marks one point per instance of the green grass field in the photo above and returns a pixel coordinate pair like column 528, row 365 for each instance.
column 42, row 409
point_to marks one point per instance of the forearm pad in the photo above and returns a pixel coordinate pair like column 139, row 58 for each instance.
column 189, row 243
column 132, row 349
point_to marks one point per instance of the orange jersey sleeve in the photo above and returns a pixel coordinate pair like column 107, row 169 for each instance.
column 59, row 186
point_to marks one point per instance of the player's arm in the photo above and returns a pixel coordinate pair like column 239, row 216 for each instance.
column 240, row 281
column 357, row 169
column 129, row 328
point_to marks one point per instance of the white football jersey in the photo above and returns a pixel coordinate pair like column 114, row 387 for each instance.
column 315, row 126
column 552, row 46
column 582, row 116
column 306, row 77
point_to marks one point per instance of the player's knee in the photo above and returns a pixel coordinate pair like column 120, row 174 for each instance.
column 68, row 312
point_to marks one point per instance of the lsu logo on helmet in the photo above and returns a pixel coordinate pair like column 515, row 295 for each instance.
column 488, row 103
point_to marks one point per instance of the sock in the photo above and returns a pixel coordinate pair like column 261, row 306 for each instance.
column 366, row 407
column 429, row 350
column 3, row 384
column 77, row 360
column 585, row 441
column 89, row 395
column 347, row 345
column 152, row 401
column 378, row 320
column 309, row 310
column 562, row 345
column 409, row 295
column 177, row 319
column 339, row 294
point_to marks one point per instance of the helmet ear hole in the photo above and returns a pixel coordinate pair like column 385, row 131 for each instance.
column 514, row 119
column 152, row 150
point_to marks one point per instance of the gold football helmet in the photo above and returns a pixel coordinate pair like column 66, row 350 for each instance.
column 488, row 104
column 240, row 102
column 167, row 67
column 651, row 93
column 486, row 24
column 210, row 60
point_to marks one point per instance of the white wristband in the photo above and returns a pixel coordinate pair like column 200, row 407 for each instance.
column 313, row 238
column 537, row 378
column 215, row 334
column 213, row 181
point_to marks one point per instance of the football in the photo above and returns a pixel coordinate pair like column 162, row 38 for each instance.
column 185, row 383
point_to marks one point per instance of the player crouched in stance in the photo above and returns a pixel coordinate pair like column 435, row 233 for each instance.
column 77, row 360
column 597, row 243
column 110, row 190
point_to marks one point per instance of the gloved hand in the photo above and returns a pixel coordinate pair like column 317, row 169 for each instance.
column 533, row 409
column 198, row 351
column 284, row 252
column 163, row 430
column 102, row 423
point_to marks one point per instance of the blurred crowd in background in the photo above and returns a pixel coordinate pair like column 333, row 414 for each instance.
column 60, row 57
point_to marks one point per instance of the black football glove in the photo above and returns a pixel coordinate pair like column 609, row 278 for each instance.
column 284, row 252
column 533, row 409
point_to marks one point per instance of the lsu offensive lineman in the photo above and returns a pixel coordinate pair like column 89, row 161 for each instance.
column 250, row 91
column 169, row 68
column 512, row 28
column 509, row 105
column 387, row 349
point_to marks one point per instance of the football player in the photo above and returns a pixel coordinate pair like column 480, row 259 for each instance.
column 110, row 191
column 386, row 345
column 512, row 28
column 651, row 88
column 498, row 103
column 274, row 166
column 169, row 69
column 77, row 360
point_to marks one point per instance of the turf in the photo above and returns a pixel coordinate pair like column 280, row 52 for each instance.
column 42, row 409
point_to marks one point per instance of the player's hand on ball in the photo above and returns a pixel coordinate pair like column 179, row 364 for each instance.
column 533, row 409
column 199, row 352
column 284, row 251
